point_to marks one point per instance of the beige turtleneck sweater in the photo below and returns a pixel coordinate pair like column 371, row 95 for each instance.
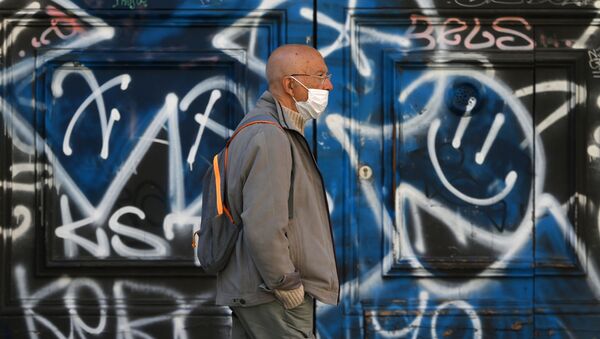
column 297, row 119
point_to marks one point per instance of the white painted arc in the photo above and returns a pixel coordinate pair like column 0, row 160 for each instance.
column 24, row 219
column 412, row 327
column 467, row 308
column 58, row 79
column 509, row 181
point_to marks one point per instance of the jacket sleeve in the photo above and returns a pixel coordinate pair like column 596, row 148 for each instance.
column 265, row 193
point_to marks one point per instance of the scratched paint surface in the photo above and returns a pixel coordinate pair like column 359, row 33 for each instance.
column 460, row 152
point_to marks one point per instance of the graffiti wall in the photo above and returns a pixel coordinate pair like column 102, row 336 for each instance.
column 460, row 150
column 466, row 193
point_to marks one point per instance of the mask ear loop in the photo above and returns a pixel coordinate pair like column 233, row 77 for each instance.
column 301, row 84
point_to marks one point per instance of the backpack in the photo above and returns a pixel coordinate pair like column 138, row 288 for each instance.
column 218, row 232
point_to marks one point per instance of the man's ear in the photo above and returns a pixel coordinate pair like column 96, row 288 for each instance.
column 288, row 85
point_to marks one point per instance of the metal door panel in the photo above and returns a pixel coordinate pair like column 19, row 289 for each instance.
column 434, row 205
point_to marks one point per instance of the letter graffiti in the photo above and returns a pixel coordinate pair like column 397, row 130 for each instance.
column 96, row 95
column 182, row 214
column 201, row 119
column 422, row 31
column 130, row 4
column 60, row 20
column 594, row 62
column 159, row 246
column 70, row 289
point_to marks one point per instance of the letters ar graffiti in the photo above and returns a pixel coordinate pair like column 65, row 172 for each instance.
column 180, row 213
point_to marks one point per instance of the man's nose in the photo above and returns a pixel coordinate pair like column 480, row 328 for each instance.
column 328, row 85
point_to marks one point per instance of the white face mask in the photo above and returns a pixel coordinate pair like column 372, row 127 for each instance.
column 315, row 104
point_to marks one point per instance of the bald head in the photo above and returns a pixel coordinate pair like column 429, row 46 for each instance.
column 291, row 59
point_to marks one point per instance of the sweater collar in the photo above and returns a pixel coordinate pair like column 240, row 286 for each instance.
column 267, row 100
column 296, row 118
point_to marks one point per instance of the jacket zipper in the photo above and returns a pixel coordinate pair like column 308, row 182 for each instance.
column 326, row 206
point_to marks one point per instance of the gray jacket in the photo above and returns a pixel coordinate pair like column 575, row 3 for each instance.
column 274, row 251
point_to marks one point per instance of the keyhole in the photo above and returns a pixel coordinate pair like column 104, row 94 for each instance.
column 365, row 172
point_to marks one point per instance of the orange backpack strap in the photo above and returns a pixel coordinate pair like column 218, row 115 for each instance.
column 250, row 124
column 239, row 130
column 218, row 184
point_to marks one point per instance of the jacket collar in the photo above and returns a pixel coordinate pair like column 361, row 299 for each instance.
column 268, row 102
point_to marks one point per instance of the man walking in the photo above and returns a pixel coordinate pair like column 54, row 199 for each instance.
column 284, row 258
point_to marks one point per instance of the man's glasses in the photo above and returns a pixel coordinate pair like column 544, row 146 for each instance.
column 323, row 78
